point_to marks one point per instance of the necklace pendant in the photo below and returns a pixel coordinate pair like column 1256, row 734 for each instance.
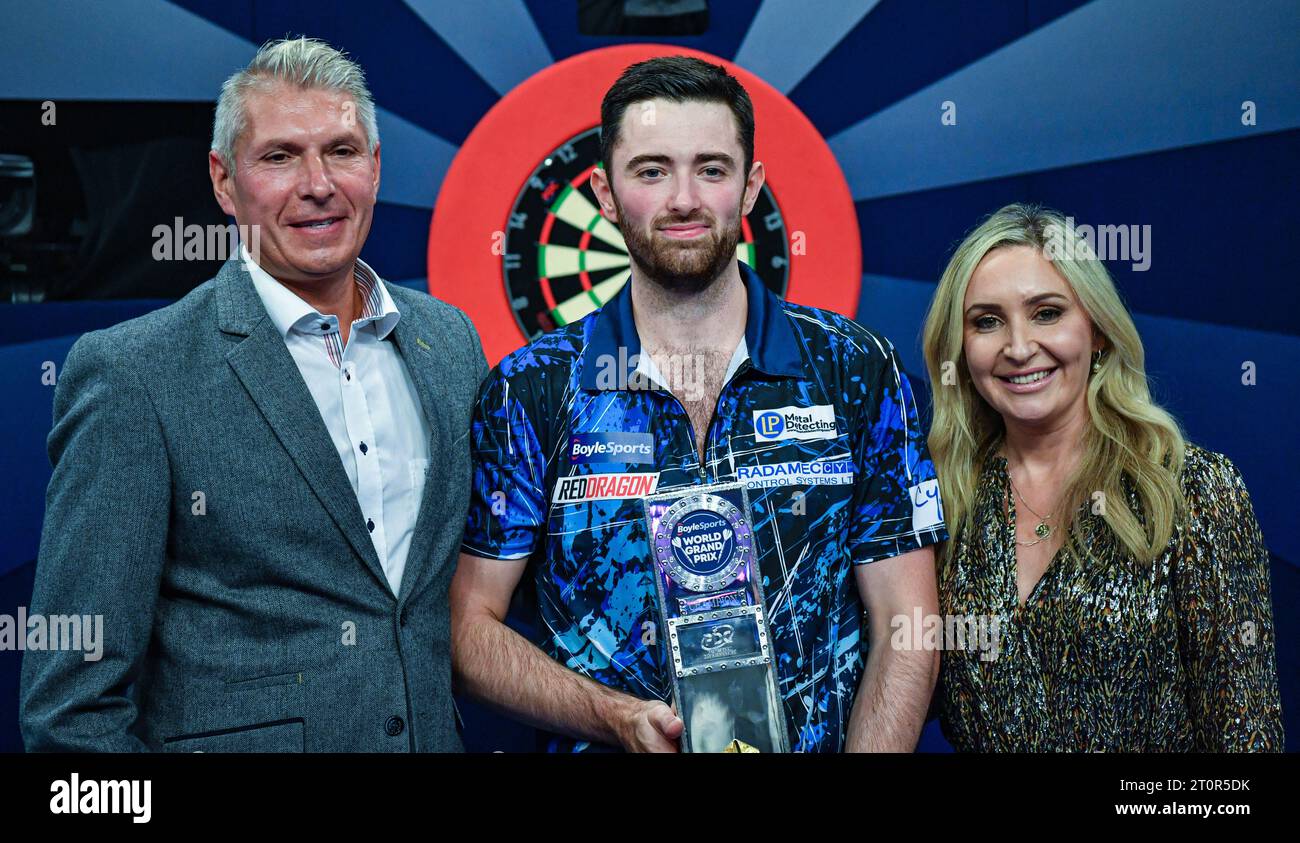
column 1042, row 530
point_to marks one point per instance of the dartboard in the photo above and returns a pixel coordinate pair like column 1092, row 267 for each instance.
column 563, row 259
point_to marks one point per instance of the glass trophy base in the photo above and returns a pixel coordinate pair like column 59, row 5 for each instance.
column 730, row 706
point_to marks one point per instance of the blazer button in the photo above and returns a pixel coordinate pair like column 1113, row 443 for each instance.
column 394, row 726
column 370, row 525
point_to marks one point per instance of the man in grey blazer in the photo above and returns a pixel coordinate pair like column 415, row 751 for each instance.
column 261, row 488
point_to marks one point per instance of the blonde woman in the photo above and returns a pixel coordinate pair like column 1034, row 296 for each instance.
column 1125, row 565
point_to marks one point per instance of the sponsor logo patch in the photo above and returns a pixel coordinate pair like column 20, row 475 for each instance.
column 816, row 422
column 604, row 487
column 927, row 510
column 818, row 473
column 629, row 448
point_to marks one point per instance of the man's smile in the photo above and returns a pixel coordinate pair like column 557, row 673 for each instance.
column 685, row 231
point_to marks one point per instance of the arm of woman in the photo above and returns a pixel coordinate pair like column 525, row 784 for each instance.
column 1225, row 609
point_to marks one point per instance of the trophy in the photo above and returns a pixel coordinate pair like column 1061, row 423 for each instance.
column 710, row 596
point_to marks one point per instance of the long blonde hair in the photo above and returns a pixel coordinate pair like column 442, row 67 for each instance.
column 1129, row 434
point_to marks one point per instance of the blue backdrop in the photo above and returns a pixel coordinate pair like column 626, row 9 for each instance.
column 1114, row 112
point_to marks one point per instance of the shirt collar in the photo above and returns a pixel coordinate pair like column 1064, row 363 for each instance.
column 769, row 342
column 646, row 365
column 288, row 311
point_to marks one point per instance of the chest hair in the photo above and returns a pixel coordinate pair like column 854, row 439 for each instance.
column 695, row 378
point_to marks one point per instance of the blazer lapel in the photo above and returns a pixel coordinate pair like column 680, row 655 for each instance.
column 268, row 372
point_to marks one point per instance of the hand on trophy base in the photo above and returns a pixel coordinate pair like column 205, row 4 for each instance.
column 650, row 726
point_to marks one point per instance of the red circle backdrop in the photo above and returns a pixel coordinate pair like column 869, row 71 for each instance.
column 562, row 101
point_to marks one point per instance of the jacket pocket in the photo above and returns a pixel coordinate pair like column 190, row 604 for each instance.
column 292, row 678
column 262, row 714
column 277, row 736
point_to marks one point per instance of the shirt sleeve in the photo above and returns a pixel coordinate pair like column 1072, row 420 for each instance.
column 507, row 508
column 896, row 502
column 1226, row 634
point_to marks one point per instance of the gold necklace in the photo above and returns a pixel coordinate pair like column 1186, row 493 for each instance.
column 1043, row 530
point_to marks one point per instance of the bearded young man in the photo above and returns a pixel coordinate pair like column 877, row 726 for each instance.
column 693, row 376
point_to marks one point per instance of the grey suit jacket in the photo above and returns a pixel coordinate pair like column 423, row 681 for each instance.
column 199, row 506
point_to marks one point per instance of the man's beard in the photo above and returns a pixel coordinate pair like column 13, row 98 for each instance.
column 686, row 266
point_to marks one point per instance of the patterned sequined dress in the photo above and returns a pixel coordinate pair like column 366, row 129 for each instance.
column 1110, row 654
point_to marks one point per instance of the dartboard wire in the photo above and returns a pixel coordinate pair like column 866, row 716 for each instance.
column 542, row 279
column 583, row 243
column 574, row 185
column 748, row 234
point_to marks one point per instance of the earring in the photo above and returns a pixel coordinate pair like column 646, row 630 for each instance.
column 1096, row 361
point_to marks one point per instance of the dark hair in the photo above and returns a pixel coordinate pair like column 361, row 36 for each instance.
column 680, row 79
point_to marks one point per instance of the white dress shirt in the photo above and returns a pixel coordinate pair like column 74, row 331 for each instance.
column 368, row 402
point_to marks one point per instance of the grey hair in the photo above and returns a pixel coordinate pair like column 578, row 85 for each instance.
column 305, row 62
